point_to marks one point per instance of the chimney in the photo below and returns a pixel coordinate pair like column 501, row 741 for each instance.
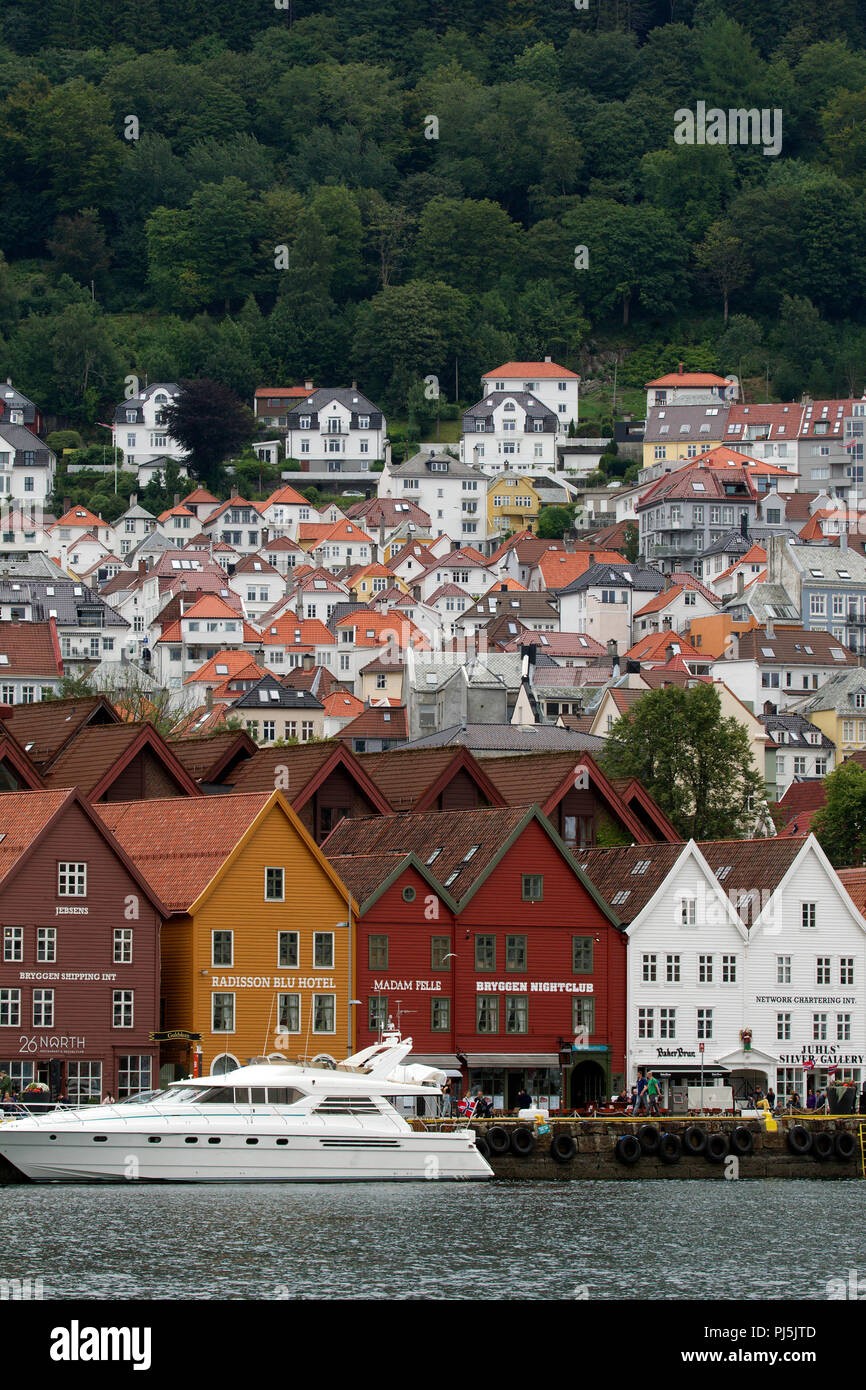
column 770, row 628
column 308, row 386
column 142, row 567
column 680, row 368
column 234, row 490
column 744, row 525
column 592, row 557
column 669, row 652
column 133, row 499
column 177, row 499
column 307, row 661
column 548, row 359
column 354, row 385
column 740, row 583
column 67, row 505
column 208, row 698
column 612, row 650
column 843, row 536
column 503, row 588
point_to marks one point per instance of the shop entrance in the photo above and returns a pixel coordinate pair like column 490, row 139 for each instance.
column 588, row 1085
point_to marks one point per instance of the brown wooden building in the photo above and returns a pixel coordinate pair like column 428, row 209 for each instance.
column 79, row 974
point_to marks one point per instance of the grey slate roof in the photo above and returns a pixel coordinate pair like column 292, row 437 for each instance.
column 494, row 669
column 835, row 694
column 136, row 403
column 624, row 576
column 268, row 693
column 535, row 409
column 420, row 467
column 36, row 566
column 798, row 729
column 509, row 738
column 68, row 600
column 677, row 416
column 353, row 400
column 735, row 543
column 21, row 440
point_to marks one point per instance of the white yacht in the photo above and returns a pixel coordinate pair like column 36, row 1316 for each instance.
column 268, row 1122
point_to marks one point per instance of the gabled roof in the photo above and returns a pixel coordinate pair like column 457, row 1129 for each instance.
column 99, row 755
column 653, row 647
column 185, row 848
column 268, row 693
column 81, row 517
column 27, row 819
column 665, row 597
column 199, row 495
column 415, row 779
column 621, row 575
column 232, row 664
column 309, row 765
column 15, row 762
column 342, row 704
column 212, row 757
column 284, row 497
column 470, row 844
column 688, row 379
column 794, row 645
column 559, row 567
column 44, row 729
column 559, row 644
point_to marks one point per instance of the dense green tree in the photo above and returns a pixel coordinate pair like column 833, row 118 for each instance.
column 553, row 522
column 693, row 761
column 840, row 825
column 470, row 243
column 422, row 326
column 722, row 262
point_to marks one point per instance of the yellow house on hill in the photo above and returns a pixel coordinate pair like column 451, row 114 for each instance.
column 512, row 504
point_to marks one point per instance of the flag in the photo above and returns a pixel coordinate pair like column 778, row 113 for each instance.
column 467, row 1105
column 810, row 1065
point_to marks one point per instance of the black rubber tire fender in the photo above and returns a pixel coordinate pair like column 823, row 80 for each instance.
column 717, row 1147
column 845, row 1145
column 482, row 1145
column 822, row 1145
column 799, row 1140
column 563, row 1148
column 498, row 1140
column 522, row 1141
column 670, row 1148
column 649, row 1138
column 627, row 1149
column 694, row 1141
column 742, row 1140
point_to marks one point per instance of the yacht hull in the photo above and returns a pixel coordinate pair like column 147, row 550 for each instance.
column 83, row 1156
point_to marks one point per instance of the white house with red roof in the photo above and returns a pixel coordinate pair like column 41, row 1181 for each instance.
column 317, row 594
column 691, row 388
column 179, row 524
column 237, row 523
column 287, row 640
column 284, row 511
column 336, row 545
column 553, row 386
column 258, row 585
column 72, row 526
column 201, row 503
column 673, row 609
column 207, row 627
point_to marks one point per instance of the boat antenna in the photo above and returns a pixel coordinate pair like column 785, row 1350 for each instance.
column 265, row 1052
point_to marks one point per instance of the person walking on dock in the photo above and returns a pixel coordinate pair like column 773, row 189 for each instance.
column 641, row 1098
column 653, row 1091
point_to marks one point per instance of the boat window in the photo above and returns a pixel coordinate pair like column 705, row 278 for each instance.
column 259, row 1095
column 284, row 1095
column 154, row 1139
column 185, row 1094
column 252, row 1141
column 191, row 1139
column 213, row 1140
column 282, row 1141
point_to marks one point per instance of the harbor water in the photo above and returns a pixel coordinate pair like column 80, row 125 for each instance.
column 580, row 1240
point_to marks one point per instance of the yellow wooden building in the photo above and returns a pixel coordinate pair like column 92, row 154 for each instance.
column 256, row 955
column 512, row 504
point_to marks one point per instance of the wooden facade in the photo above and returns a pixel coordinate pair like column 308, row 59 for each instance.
column 79, row 978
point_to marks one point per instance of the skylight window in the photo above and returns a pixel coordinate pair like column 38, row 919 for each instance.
column 622, row 896
column 722, row 873
column 837, row 653
column 451, row 877
column 641, row 866
column 221, row 670
column 434, row 855
column 263, row 696
column 473, row 849
column 275, row 694
column 699, row 487
column 768, row 651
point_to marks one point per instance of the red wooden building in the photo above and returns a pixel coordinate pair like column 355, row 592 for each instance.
column 480, row 937
column 79, row 974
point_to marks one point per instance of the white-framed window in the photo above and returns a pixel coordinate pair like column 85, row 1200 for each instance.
column 783, row 970
column 43, row 1008
column 123, row 945
column 646, row 1022
column 222, row 947
column 324, row 1013
column 13, row 943
column 10, row 1008
column 705, row 1024
column 688, row 912
column 288, row 955
column 71, row 879
column 648, row 965
column 672, row 969
column 819, row 1027
column 729, row 970
column 222, row 1012
column 123, row 1012
column 275, row 885
column 843, row 1027
column 667, row 1023
column 822, row 970
column 783, row 1027
column 809, row 915
column 46, row 944
column 705, row 970
column 846, row 970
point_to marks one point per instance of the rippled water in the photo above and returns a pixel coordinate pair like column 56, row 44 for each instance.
column 499, row 1240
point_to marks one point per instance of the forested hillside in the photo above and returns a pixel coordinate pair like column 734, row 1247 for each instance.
column 398, row 187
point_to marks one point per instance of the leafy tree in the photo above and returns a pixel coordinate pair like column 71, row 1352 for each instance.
column 470, row 243
column 695, row 763
column 78, row 247
column 840, row 825
column 553, row 522
column 211, row 423
column 635, row 255
column 631, row 543
column 722, row 261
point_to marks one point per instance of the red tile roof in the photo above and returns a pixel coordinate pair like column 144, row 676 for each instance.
column 181, row 843
column 377, row 722
column 531, row 370
column 688, row 379
column 30, row 649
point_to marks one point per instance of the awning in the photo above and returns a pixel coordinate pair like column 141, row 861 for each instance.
column 513, row 1059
